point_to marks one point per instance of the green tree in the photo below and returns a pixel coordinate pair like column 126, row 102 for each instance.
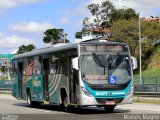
column 78, row 35
column 123, row 25
column 126, row 14
column 102, row 12
column 106, row 12
column 54, row 36
column 94, row 9
column 27, row 48
column 127, row 31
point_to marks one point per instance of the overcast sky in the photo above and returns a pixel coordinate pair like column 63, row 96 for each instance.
column 24, row 21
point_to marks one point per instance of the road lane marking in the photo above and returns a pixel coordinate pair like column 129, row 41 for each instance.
column 46, row 111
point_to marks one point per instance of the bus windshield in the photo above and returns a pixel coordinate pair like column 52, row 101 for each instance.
column 106, row 67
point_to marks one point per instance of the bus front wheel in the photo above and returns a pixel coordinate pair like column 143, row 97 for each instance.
column 29, row 101
column 109, row 108
column 65, row 105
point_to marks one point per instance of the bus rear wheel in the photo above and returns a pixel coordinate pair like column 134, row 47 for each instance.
column 109, row 108
column 30, row 102
column 64, row 104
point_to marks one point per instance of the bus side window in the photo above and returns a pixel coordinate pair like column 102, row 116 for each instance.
column 37, row 65
column 25, row 66
column 54, row 63
column 14, row 68
column 29, row 68
column 63, row 62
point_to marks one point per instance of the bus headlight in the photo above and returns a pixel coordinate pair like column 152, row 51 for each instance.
column 85, row 91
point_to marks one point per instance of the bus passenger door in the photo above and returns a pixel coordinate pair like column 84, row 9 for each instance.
column 20, row 77
column 15, row 90
column 45, row 71
column 73, row 80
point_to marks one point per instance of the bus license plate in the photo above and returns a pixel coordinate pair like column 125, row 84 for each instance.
column 110, row 103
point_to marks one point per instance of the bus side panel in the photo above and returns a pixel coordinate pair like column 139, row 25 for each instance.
column 27, row 83
column 63, row 84
column 56, row 82
column 53, row 84
column 15, row 90
column 37, row 88
column 54, row 98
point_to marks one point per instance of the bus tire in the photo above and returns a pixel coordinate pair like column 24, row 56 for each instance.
column 109, row 109
column 65, row 105
column 29, row 100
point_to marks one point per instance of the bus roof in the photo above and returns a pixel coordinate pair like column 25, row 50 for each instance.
column 60, row 47
column 54, row 48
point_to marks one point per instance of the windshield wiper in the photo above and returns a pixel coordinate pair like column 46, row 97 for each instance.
column 97, row 60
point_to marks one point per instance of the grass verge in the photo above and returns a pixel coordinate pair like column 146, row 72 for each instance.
column 147, row 100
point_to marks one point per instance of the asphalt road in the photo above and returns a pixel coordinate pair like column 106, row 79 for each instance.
column 13, row 109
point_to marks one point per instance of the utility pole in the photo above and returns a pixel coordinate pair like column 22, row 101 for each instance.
column 140, row 47
column 140, row 50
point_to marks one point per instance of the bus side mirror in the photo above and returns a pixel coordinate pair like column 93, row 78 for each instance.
column 75, row 63
column 134, row 63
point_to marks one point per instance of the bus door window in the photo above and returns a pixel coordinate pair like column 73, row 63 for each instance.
column 20, row 76
column 73, row 77
column 54, row 64
column 29, row 68
column 24, row 67
column 45, row 69
column 63, row 63
column 14, row 68
column 37, row 65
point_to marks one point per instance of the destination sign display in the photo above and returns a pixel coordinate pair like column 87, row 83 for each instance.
column 104, row 48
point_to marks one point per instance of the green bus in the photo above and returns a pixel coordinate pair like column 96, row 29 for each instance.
column 88, row 73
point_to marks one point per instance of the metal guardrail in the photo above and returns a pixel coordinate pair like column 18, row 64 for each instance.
column 5, row 85
column 147, row 80
column 147, row 94
column 149, row 84
column 5, row 89
column 147, row 87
